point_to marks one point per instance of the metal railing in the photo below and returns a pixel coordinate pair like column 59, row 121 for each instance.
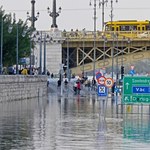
column 74, row 35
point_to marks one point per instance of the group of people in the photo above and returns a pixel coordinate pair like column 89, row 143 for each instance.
column 79, row 84
column 23, row 71
column 77, row 87
column 91, row 84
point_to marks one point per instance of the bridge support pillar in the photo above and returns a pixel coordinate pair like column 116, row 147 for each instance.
column 48, row 56
column 54, row 51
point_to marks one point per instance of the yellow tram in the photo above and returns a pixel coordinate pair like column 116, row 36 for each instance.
column 128, row 28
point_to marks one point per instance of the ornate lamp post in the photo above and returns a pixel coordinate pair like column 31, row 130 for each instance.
column 32, row 18
column 54, row 14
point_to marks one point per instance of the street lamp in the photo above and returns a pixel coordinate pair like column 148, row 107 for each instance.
column 83, row 46
column 10, row 30
column 40, row 56
column 1, row 62
column 94, row 55
column 104, row 49
column 103, row 2
column 111, row 12
column 112, row 52
column 31, row 42
column 117, row 69
column 68, row 76
column 42, row 39
column 32, row 19
column 122, row 50
column 46, row 39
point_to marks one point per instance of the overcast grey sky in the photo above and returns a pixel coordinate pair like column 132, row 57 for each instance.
column 77, row 14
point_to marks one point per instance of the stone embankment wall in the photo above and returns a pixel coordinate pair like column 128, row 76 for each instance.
column 20, row 87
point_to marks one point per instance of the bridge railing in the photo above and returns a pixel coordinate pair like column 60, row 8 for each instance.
column 74, row 35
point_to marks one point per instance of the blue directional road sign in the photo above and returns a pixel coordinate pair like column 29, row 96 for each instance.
column 141, row 89
column 102, row 90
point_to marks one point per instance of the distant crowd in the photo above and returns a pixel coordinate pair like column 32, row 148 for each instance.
column 23, row 71
column 79, row 84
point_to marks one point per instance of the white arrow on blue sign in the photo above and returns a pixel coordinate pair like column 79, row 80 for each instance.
column 102, row 90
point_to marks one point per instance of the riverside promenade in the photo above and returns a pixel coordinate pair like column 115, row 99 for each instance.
column 54, row 89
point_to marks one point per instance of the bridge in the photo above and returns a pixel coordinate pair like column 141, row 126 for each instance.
column 122, row 47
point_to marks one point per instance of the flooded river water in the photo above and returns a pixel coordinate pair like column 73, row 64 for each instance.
column 71, row 123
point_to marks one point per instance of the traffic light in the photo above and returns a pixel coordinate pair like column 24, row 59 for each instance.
column 64, row 68
column 122, row 72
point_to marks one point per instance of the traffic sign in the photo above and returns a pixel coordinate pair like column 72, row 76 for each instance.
column 132, row 72
column 102, row 90
column 109, row 82
column 136, row 90
column 141, row 89
column 98, row 75
column 101, row 80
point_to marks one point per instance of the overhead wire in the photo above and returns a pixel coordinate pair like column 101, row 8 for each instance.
column 84, row 9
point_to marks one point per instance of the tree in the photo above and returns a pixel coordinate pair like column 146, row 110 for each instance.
column 9, row 39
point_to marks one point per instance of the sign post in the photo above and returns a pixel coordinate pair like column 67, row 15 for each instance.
column 136, row 90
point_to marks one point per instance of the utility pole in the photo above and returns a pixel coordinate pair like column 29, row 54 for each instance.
column 112, row 52
column 103, row 2
column 94, row 54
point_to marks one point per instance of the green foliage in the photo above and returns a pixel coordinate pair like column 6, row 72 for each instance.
column 9, row 39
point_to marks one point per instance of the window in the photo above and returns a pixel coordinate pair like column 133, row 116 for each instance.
column 147, row 27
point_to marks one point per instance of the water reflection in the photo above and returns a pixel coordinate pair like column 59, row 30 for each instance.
column 137, row 128
column 71, row 123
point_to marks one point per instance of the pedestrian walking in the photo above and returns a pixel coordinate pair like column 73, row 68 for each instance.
column 93, row 84
column 78, row 87
column 89, row 85
column 52, row 75
column 75, row 87
column 59, row 83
